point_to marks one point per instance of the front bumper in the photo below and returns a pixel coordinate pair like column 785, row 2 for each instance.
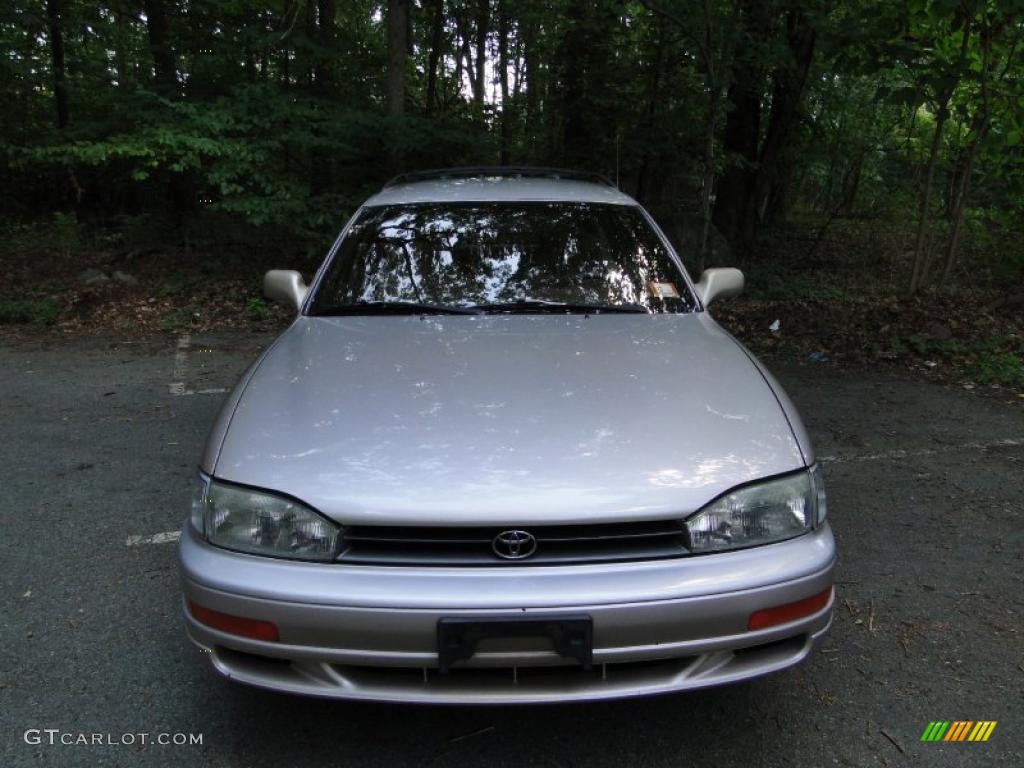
column 370, row 633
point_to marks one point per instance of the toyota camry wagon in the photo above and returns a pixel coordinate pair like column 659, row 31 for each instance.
column 505, row 454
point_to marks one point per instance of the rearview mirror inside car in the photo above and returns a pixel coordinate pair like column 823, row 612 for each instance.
column 285, row 286
column 719, row 284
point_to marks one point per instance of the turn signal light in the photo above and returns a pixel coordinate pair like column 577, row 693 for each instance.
column 235, row 625
column 782, row 614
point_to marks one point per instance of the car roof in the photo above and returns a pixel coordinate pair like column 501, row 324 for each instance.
column 499, row 185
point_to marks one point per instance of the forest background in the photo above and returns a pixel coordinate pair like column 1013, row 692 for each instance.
column 862, row 161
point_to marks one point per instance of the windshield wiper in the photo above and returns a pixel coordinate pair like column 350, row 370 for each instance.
column 557, row 307
column 393, row 308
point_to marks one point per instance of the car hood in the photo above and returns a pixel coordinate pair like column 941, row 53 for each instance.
column 504, row 419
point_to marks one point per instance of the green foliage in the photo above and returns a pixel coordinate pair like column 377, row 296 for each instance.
column 273, row 162
column 256, row 308
column 994, row 360
column 772, row 284
column 272, row 125
column 36, row 312
column 60, row 232
column 1005, row 369
column 923, row 346
column 180, row 319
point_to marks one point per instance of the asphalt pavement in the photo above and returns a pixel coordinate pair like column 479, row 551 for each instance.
column 99, row 442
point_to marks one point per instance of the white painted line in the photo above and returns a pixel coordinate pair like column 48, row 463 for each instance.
column 168, row 537
column 177, row 386
column 1007, row 442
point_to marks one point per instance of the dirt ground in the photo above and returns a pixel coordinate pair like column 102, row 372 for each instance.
column 925, row 483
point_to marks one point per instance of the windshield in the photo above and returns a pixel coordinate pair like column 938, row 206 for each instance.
column 502, row 257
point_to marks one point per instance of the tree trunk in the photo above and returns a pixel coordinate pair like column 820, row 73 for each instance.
column 164, row 66
column 533, row 84
column 483, row 8
column 506, row 121
column 708, row 181
column 324, row 76
column 926, row 198
column 517, row 69
column 250, row 65
column 742, row 131
column 309, row 64
column 321, row 178
column 436, row 44
column 465, row 58
column 643, row 182
column 460, row 61
column 121, row 37
column 714, row 69
column 959, row 196
column 921, row 257
column 786, row 97
column 398, row 27
column 957, row 150
column 979, row 127
column 851, row 184
column 60, row 90
column 572, row 141
column 739, row 139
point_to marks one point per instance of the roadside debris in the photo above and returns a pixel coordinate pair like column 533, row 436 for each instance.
column 891, row 739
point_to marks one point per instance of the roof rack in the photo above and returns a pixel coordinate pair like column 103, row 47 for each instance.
column 503, row 171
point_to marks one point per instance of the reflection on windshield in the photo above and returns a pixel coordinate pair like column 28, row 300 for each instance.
column 488, row 253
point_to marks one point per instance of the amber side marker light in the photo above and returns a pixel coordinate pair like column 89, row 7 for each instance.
column 781, row 614
column 234, row 625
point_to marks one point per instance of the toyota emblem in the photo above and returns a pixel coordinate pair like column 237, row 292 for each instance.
column 514, row 545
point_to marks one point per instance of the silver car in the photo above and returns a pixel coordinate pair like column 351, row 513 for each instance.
column 504, row 454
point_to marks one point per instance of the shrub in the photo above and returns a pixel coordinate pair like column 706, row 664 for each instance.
column 37, row 312
column 1005, row 369
column 256, row 308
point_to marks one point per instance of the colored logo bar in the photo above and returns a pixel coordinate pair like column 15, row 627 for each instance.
column 958, row 730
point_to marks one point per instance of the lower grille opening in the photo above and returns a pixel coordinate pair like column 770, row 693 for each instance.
column 565, row 671
column 784, row 646
column 249, row 660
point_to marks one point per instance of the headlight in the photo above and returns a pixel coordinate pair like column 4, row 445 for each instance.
column 265, row 524
column 763, row 513
column 818, row 482
column 200, row 486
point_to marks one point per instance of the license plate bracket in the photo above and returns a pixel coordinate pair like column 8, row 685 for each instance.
column 571, row 636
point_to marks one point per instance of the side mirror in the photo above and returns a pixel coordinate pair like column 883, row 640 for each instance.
column 719, row 284
column 285, row 286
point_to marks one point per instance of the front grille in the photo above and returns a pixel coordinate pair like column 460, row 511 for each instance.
column 472, row 546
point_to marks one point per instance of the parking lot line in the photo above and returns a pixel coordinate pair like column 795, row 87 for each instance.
column 167, row 537
column 177, row 385
column 180, row 375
